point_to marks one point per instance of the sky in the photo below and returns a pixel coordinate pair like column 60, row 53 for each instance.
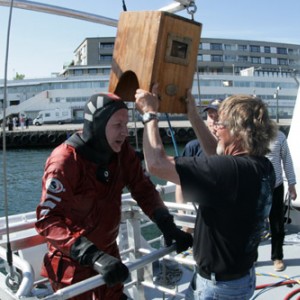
column 40, row 44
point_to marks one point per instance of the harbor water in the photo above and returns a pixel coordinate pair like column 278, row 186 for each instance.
column 24, row 171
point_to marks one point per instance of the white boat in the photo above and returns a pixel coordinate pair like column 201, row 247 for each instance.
column 156, row 272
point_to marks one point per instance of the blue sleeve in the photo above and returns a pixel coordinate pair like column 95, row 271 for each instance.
column 192, row 148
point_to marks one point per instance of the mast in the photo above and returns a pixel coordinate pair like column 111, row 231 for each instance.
column 60, row 11
column 76, row 14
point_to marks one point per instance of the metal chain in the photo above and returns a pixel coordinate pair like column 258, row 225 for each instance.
column 191, row 9
column 13, row 280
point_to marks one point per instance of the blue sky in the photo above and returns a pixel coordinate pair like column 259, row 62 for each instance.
column 41, row 44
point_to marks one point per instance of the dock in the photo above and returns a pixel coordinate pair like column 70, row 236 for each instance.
column 49, row 136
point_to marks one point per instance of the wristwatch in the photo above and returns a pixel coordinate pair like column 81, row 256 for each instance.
column 148, row 116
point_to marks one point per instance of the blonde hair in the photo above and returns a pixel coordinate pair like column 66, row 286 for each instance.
column 248, row 119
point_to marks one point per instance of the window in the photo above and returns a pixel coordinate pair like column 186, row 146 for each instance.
column 282, row 61
column 215, row 46
column 105, row 71
column 92, row 71
column 227, row 83
column 106, row 45
column 242, row 58
column 267, row 49
column 255, row 60
column 58, row 85
column 229, row 47
column 217, row 58
column 14, row 102
column 230, row 58
column 242, row 84
column 281, row 50
column 254, row 48
column 78, row 72
column 242, row 47
column 107, row 57
column 268, row 60
column 179, row 49
column 200, row 57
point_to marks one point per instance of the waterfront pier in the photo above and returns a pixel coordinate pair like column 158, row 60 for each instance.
column 49, row 136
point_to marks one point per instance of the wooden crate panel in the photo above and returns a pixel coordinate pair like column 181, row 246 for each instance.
column 154, row 46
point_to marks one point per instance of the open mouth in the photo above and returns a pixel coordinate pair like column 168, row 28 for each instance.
column 119, row 142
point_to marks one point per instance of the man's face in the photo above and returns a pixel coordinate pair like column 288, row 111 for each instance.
column 212, row 116
column 225, row 139
column 116, row 129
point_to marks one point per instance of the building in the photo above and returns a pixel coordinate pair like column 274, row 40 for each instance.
column 225, row 66
column 216, row 56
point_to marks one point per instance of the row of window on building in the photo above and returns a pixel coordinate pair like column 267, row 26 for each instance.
column 247, row 59
column 34, row 89
column 248, row 48
column 226, row 58
column 230, row 47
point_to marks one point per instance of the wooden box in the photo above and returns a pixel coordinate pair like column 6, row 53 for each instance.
column 155, row 47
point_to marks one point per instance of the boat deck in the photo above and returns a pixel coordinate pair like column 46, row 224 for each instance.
column 279, row 285
column 155, row 273
column 269, row 284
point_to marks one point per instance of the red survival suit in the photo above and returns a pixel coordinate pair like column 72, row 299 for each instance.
column 75, row 203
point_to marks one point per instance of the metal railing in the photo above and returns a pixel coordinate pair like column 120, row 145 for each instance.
column 89, row 17
column 138, row 254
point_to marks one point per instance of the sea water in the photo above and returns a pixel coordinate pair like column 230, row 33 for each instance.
column 24, row 171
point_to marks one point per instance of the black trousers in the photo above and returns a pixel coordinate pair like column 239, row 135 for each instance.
column 277, row 223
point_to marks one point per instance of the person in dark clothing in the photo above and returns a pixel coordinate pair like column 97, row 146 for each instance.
column 194, row 148
column 232, row 186
column 26, row 122
column 10, row 124
column 80, row 209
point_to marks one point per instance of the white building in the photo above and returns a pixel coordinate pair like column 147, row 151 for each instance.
column 271, row 73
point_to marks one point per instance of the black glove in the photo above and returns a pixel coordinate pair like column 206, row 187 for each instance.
column 112, row 269
column 164, row 221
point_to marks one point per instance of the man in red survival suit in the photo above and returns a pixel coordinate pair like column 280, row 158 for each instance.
column 80, row 209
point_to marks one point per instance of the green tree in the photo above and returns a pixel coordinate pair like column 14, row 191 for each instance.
column 19, row 76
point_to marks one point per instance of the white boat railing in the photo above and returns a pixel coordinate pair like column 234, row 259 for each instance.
column 97, row 280
column 137, row 253
column 27, row 281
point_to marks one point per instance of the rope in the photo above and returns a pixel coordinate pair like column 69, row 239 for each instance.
column 291, row 294
column 13, row 279
column 288, row 281
column 172, row 135
column 169, row 273
column 285, row 277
